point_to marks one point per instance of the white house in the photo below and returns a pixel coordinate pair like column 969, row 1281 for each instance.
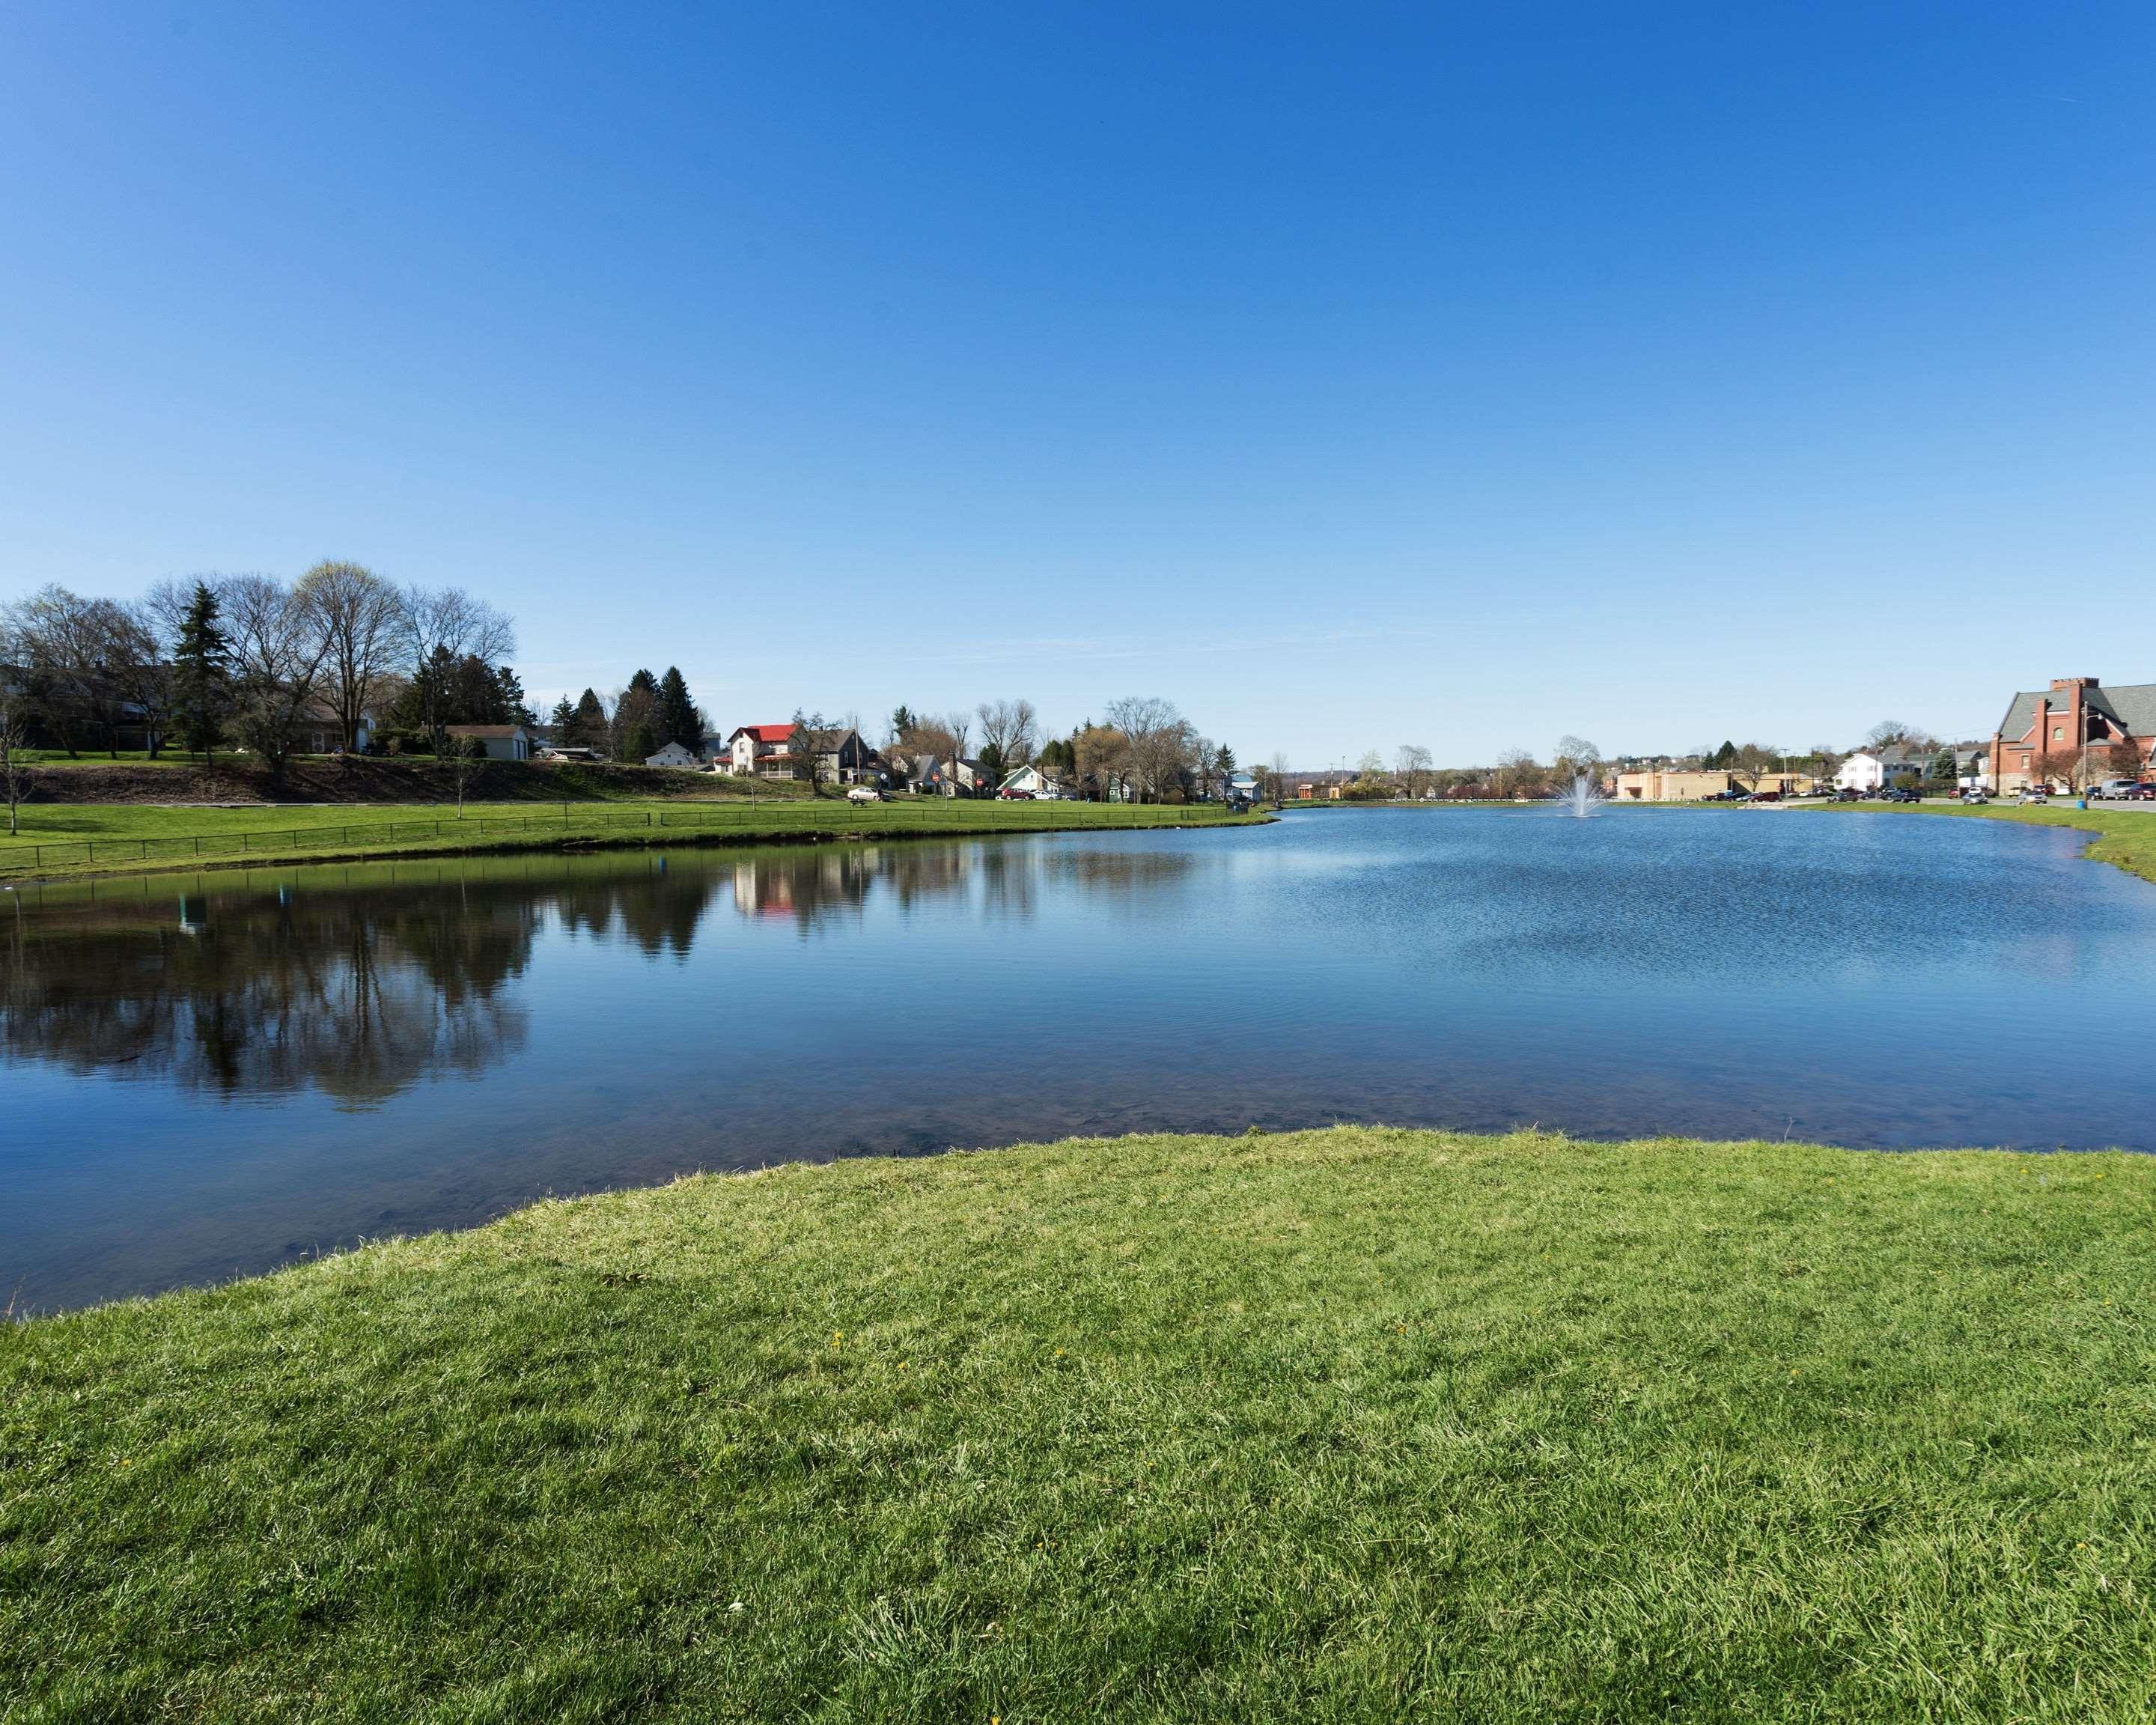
column 673, row 755
column 320, row 732
column 501, row 743
column 1860, row 772
column 1031, row 782
column 1896, row 764
column 762, row 748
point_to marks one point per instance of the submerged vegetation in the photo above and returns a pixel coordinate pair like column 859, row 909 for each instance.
column 1360, row 1424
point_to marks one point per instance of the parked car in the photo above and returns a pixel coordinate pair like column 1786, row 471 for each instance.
column 1901, row 795
column 1975, row 795
column 866, row 793
column 1848, row 793
column 2036, row 794
column 1015, row 796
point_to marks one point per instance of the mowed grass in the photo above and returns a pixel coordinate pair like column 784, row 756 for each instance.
column 1356, row 1425
column 69, row 840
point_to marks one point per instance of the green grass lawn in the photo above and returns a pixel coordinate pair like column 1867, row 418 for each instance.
column 64, row 840
column 91, row 758
column 1357, row 1424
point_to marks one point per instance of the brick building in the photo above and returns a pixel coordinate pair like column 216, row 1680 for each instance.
column 2046, row 731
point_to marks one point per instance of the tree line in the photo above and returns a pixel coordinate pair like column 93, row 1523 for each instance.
column 642, row 718
column 254, row 662
column 1142, row 749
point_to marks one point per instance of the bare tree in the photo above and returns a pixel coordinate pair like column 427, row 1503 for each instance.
column 361, row 617
column 1276, row 779
column 2066, row 765
column 1411, row 765
column 2123, row 759
column 1517, row 773
column 1010, row 729
column 444, row 624
column 803, row 746
column 1156, row 742
column 66, row 645
column 134, row 674
column 958, row 727
column 1576, row 758
column 467, row 755
column 1889, row 731
column 278, row 647
column 14, row 722
column 1754, row 762
column 1101, row 754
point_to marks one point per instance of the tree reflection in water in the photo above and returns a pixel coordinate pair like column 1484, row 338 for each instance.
column 812, row 887
column 357, row 991
column 360, row 982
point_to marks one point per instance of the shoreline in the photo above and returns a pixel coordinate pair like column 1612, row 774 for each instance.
column 784, row 824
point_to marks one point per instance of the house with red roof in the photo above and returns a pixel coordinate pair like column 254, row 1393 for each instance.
column 762, row 749
column 768, row 749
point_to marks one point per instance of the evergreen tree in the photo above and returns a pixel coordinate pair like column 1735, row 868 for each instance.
column 590, row 727
column 562, row 721
column 677, row 721
column 636, row 719
column 201, row 673
column 1726, row 756
column 509, row 699
column 1943, row 777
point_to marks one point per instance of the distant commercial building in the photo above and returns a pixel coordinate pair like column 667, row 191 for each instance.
column 1698, row 785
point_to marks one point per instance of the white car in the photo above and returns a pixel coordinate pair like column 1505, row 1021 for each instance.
column 864, row 794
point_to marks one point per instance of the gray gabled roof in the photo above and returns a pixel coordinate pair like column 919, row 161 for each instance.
column 2131, row 706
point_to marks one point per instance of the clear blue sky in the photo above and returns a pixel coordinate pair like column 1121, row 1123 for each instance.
column 1352, row 376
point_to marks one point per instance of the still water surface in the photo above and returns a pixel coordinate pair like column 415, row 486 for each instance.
column 205, row 1074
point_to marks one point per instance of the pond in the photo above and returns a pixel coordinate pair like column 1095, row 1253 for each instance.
column 212, row 1074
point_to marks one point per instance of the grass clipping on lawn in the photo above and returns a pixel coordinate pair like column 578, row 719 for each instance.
column 1360, row 1424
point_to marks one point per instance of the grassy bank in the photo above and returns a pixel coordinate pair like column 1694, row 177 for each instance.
column 231, row 779
column 75, row 841
column 1359, row 1425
